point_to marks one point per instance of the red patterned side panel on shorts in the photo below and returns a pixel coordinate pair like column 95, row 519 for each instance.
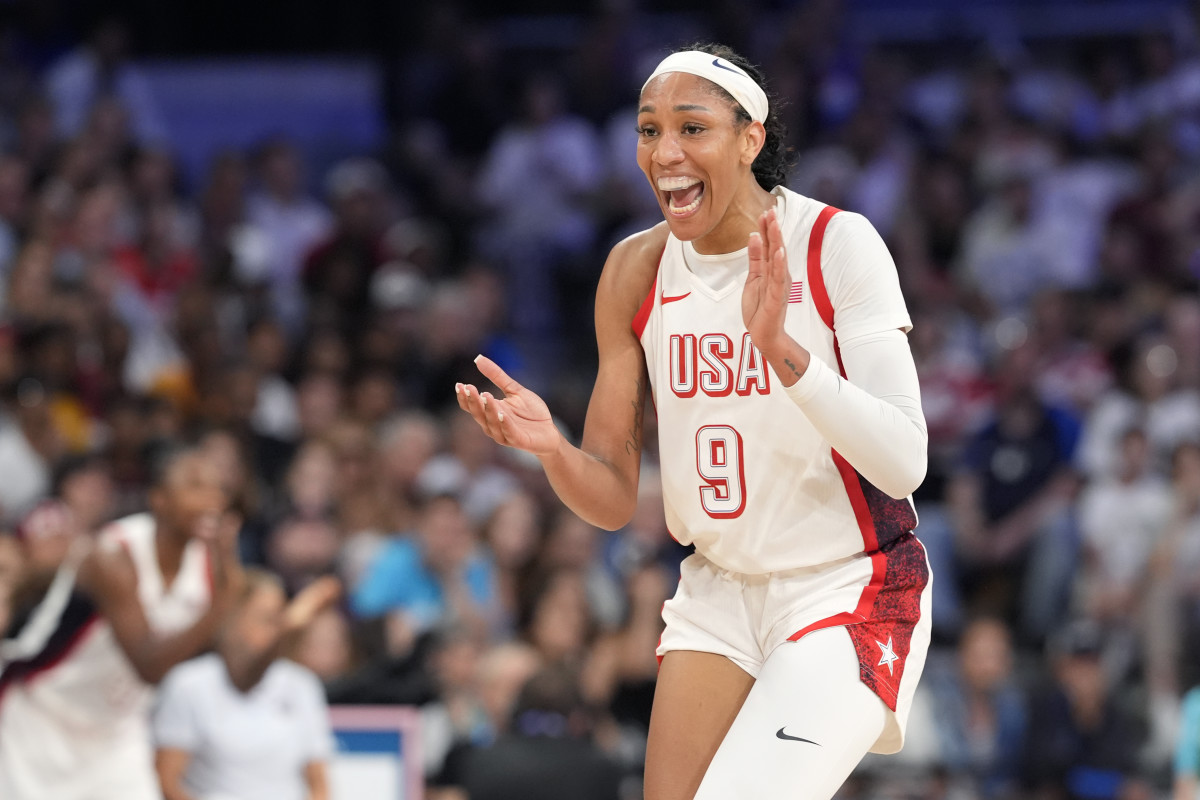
column 891, row 518
column 882, row 641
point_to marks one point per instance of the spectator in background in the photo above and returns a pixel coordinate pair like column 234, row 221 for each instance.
column 1083, row 740
column 338, row 270
column 301, row 550
column 14, row 210
column 242, row 722
column 1187, row 750
column 557, row 618
column 98, row 69
column 326, row 647
column 1146, row 395
column 292, row 223
column 513, row 535
column 576, row 546
column 1005, row 258
column 1172, row 599
column 84, row 486
column 536, row 181
column 320, row 397
column 27, row 445
column 547, row 756
column 456, row 716
column 956, row 396
column 275, row 412
column 1071, row 371
column 622, row 668
column 981, row 719
column 1011, row 504
column 406, row 445
column 434, row 577
column 154, row 181
column 469, row 469
column 1122, row 519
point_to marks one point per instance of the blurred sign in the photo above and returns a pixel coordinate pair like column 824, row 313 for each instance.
column 378, row 753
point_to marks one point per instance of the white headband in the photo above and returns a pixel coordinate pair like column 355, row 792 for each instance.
column 731, row 78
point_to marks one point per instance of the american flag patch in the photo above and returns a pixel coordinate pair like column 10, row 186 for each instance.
column 796, row 295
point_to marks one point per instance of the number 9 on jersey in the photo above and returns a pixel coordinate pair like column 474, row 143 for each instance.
column 723, row 476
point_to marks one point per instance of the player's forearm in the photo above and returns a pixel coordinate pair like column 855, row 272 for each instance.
column 594, row 488
column 153, row 658
column 883, row 437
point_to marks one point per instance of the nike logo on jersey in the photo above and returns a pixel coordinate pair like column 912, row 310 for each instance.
column 672, row 298
column 779, row 734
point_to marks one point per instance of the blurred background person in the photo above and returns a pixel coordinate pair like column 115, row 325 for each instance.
column 547, row 754
column 242, row 722
column 79, row 666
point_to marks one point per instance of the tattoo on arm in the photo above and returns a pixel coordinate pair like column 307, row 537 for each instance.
column 793, row 368
column 634, row 443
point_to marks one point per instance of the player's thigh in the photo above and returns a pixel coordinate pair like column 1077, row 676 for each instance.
column 805, row 725
column 695, row 701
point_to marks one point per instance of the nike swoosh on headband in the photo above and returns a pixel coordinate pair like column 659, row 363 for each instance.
column 717, row 63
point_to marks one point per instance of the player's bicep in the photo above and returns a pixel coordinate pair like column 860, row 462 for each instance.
column 613, row 430
column 111, row 579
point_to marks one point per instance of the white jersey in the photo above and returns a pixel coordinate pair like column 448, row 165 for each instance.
column 74, row 715
column 746, row 477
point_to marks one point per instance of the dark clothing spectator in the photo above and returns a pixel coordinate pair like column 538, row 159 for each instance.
column 540, row 768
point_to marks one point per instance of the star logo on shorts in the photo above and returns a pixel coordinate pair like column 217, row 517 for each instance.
column 887, row 656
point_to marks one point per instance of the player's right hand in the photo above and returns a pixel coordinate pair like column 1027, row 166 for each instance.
column 229, row 577
column 520, row 419
column 311, row 601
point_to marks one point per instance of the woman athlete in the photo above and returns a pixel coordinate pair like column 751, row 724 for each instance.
column 771, row 330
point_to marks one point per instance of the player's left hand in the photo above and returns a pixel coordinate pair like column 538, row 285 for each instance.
column 765, row 296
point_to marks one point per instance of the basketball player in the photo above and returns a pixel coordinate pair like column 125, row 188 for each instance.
column 76, row 674
column 771, row 331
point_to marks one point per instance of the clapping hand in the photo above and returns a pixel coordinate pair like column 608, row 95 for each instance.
column 765, row 296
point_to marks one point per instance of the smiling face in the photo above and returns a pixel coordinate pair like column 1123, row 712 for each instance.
column 697, row 156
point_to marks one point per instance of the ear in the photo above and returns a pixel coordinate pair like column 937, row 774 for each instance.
column 752, row 139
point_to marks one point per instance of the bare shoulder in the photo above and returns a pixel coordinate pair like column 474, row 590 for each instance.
column 107, row 568
column 630, row 271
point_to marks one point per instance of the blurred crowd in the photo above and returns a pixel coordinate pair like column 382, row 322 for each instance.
column 1042, row 203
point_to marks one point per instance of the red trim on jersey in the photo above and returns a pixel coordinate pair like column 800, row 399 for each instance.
column 854, row 492
column 643, row 314
column 70, row 647
column 858, row 501
column 74, row 642
column 816, row 281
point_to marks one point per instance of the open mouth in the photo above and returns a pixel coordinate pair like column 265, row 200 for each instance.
column 683, row 194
